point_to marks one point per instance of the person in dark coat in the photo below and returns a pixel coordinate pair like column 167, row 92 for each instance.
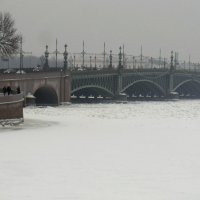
column 4, row 90
column 18, row 90
column 8, row 90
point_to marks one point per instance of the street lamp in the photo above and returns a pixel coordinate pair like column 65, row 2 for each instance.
column 110, row 66
column 65, row 54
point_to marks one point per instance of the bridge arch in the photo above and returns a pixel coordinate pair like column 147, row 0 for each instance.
column 146, row 86
column 46, row 95
column 188, row 87
column 94, row 90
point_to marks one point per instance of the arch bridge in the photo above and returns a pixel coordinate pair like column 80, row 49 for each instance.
column 134, row 83
column 53, row 88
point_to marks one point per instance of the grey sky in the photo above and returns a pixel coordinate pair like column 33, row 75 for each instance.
column 154, row 24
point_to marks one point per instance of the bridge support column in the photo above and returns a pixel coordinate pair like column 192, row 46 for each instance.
column 119, row 83
column 118, row 95
column 171, row 82
column 65, row 89
column 171, row 94
column 171, row 76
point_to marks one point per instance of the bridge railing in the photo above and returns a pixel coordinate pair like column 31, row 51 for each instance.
column 100, row 61
column 10, row 98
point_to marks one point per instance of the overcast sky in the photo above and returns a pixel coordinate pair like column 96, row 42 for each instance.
column 154, row 24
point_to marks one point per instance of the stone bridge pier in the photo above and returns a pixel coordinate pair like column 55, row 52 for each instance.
column 48, row 88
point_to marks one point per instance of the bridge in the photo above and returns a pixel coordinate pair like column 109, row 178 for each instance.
column 53, row 88
column 57, row 86
column 135, row 83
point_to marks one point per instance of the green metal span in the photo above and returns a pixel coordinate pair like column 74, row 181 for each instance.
column 97, row 88
column 186, row 82
column 145, row 81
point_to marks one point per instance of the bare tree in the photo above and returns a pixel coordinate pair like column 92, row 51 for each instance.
column 9, row 39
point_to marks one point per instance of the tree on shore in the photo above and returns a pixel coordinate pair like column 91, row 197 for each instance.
column 9, row 39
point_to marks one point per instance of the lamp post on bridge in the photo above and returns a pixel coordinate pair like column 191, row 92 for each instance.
column 133, row 62
column 160, row 58
column 151, row 63
column 141, row 58
column 120, row 58
column 164, row 63
column 104, row 55
column 110, row 65
column 184, row 65
column 83, row 53
column 90, row 62
column 46, row 64
column 56, row 52
column 175, row 60
column 65, row 54
column 21, row 56
column 74, row 61
column 172, row 62
column 95, row 61
column 189, row 64
column 123, row 57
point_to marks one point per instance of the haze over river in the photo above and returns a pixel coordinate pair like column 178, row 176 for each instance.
column 138, row 150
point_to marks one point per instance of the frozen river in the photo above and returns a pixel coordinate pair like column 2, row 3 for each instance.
column 139, row 150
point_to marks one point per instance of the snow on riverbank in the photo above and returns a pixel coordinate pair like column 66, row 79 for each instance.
column 146, row 150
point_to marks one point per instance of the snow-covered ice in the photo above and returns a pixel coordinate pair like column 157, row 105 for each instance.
column 139, row 150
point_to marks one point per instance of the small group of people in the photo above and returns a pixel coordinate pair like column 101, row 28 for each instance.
column 8, row 90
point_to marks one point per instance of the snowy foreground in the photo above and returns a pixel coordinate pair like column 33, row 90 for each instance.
column 136, row 151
